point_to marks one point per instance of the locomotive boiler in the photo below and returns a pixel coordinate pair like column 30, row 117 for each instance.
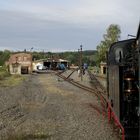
column 123, row 80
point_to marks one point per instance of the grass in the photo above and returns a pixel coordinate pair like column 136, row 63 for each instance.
column 90, row 68
column 12, row 80
column 3, row 73
column 29, row 137
column 33, row 135
column 6, row 79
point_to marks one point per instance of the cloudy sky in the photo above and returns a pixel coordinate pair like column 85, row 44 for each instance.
column 62, row 25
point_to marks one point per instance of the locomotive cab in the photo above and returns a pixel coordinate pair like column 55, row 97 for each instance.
column 123, row 84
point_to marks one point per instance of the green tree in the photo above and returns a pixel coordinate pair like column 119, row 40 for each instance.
column 4, row 56
column 112, row 35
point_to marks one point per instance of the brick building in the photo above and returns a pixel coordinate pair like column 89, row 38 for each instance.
column 20, row 63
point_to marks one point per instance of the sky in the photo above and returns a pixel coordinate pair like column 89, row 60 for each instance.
column 63, row 25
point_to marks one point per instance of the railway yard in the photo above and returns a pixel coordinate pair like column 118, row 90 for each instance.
column 69, row 70
column 51, row 106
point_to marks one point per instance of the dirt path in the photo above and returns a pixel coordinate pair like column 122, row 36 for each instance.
column 46, row 107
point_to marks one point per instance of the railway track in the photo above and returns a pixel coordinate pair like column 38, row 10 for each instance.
column 97, row 85
column 12, row 116
column 99, row 92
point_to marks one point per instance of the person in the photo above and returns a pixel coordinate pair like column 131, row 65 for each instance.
column 78, row 72
column 83, row 71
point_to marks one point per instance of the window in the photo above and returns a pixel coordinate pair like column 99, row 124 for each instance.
column 118, row 55
column 25, row 58
column 19, row 58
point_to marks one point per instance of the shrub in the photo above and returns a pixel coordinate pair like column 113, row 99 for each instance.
column 4, row 73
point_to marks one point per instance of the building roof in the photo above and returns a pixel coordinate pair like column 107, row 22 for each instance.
column 50, row 60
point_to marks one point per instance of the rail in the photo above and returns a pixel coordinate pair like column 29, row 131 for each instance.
column 112, row 115
column 111, row 112
column 102, row 95
column 96, row 82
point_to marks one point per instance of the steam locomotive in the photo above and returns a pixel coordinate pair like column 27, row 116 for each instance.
column 123, row 80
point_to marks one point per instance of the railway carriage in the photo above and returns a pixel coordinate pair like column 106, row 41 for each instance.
column 123, row 62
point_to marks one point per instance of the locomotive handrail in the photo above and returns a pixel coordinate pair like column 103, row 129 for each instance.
column 111, row 114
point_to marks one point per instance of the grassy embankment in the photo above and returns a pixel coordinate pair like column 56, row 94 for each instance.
column 6, row 79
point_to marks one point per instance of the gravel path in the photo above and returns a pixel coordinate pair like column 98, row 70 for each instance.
column 46, row 107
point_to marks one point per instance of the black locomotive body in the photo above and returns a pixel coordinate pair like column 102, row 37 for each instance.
column 123, row 84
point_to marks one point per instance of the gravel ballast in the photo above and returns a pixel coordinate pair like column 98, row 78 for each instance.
column 47, row 107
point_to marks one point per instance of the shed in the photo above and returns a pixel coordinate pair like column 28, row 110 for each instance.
column 103, row 67
column 51, row 64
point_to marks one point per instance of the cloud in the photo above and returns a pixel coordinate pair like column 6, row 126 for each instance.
column 20, row 30
column 64, row 24
column 89, row 12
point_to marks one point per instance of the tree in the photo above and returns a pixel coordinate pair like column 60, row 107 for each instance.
column 112, row 35
column 4, row 56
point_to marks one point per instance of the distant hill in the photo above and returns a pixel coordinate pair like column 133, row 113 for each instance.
column 89, row 52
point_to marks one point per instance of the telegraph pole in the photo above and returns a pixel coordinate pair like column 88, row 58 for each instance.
column 79, row 58
column 81, row 69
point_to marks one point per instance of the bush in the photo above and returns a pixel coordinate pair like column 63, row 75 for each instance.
column 90, row 68
column 4, row 73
